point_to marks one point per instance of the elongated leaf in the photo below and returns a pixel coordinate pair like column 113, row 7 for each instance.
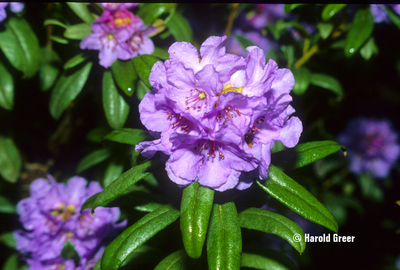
column 48, row 71
column 141, row 90
column 360, row 31
column 74, row 61
column 296, row 197
column 78, row 31
column 127, row 135
column 393, row 16
column 59, row 39
column 137, row 234
column 90, row 202
column 327, row 82
column 196, row 208
column 54, row 22
column 143, row 65
column 274, row 223
column 160, row 53
column 125, row 76
column 115, row 107
column 82, row 11
column 67, row 88
column 113, row 171
column 369, row 49
column 180, row 28
column 331, row 10
column 6, row 89
column 120, row 185
column 290, row 7
column 325, row 29
column 21, row 46
column 224, row 241
column 8, row 239
column 11, row 263
column 151, row 11
column 92, row 159
column 305, row 153
column 302, row 80
column 6, row 206
column 10, row 160
column 266, row 259
column 178, row 260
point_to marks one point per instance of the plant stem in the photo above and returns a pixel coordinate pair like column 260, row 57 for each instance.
column 231, row 19
column 306, row 56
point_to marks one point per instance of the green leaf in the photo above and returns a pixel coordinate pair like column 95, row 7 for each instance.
column 160, row 53
column 369, row 188
column 21, row 46
column 127, row 135
column 224, row 240
column 90, row 202
column 274, row 223
column 59, row 39
column 115, row 106
column 54, row 22
column 8, row 239
column 266, row 259
column 113, row 171
column 97, row 134
column 82, row 11
column 48, row 71
column 11, row 263
column 93, row 158
column 176, row 261
column 296, row 197
column 302, row 80
column 325, row 29
column 330, row 10
column 74, row 61
column 243, row 41
column 6, row 206
column 359, row 32
column 141, row 90
column 143, row 65
column 393, row 16
column 78, row 31
column 10, row 160
column 180, row 28
column 120, row 185
column 67, row 88
column 137, row 234
column 305, row 153
column 151, row 11
column 6, row 88
column 125, row 76
column 369, row 49
column 327, row 82
column 68, row 252
column 196, row 206
column 290, row 7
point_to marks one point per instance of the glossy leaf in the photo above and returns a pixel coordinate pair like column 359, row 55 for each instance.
column 143, row 65
column 68, row 252
column 97, row 134
column 54, row 22
column 67, row 88
column 113, row 171
column 274, row 223
column 74, row 61
column 296, row 197
column 393, row 16
column 331, row 10
column 137, row 234
column 266, row 259
column 59, row 39
column 290, row 7
column 120, row 185
column 196, row 206
column 305, row 153
column 127, row 135
column 21, row 46
column 180, row 28
column 302, row 80
column 8, row 239
column 115, row 106
column 178, row 260
column 6, row 206
column 160, row 53
column 82, row 11
column 10, row 160
column 11, row 263
column 6, row 88
column 224, row 240
column 125, row 76
column 359, row 32
column 369, row 49
column 90, row 202
column 327, row 82
column 48, row 71
column 151, row 11
column 78, row 31
column 93, row 158
column 325, row 29
column 141, row 90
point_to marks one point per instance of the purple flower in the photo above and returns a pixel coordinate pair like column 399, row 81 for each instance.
column 51, row 216
column 14, row 7
column 118, row 6
column 371, row 146
column 118, row 34
column 217, row 114
column 265, row 14
column 233, row 46
column 379, row 12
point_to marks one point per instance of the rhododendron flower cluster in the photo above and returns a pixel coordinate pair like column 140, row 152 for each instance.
column 14, row 7
column 119, row 34
column 218, row 115
column 51, row 216
column 371, row 146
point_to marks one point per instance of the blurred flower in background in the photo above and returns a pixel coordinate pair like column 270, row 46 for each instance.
column 371, row 146
column 14, row 7
column 379, row 12
column 265, row 14
column 51, row 217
